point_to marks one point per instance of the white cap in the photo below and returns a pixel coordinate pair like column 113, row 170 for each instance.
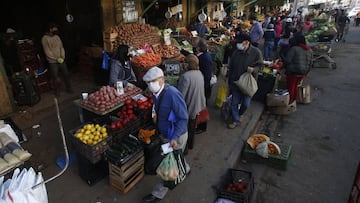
column 153, row 73
column 288, row 20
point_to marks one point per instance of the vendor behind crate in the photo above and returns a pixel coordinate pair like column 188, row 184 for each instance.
column 120, row 66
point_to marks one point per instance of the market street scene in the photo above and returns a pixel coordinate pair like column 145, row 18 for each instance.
column 180, row 101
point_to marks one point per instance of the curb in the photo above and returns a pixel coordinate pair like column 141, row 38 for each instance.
column 236, row 149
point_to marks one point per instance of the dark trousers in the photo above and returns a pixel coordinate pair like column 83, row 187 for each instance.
column 191, row 134
column 54, row 69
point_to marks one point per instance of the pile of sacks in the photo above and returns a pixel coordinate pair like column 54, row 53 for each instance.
column 11, row 153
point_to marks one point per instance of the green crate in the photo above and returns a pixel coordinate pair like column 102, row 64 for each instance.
column 172, row 79
column 275, row 161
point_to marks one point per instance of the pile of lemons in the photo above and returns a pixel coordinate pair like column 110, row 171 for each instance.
column 91, row 134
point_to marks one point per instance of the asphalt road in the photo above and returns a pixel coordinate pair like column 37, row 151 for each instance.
column 324, row 136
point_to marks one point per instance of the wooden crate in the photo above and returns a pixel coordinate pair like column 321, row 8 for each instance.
column 111, row 36
column 109, row 46
column 126, row 176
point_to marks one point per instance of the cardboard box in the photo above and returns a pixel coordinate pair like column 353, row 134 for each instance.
column 283, row 110
column 275, row 100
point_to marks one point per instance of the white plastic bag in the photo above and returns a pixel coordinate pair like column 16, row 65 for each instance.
column 168, row 169
column 7, row 129
column 213, row 80
column 19, row 189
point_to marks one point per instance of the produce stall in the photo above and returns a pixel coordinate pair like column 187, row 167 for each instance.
column 110, row 141
column 320, row 40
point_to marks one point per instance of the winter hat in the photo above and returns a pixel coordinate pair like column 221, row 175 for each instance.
column 242, row 37
column 153, row 73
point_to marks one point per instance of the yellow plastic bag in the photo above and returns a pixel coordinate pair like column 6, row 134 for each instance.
column 221, row 95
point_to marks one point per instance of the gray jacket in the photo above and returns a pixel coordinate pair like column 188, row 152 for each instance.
column 191, row 85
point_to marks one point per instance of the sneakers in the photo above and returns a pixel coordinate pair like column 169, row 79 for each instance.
column 233, row 125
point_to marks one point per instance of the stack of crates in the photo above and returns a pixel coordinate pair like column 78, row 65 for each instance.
column 125, row 176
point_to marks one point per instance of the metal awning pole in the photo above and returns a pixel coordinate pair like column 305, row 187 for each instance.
column 65, row 148
column 148, row 7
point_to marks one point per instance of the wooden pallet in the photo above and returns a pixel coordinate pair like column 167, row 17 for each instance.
column 126, row 176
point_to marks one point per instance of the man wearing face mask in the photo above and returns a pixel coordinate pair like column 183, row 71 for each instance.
column 246, row 58
column 171, row 118
column 55, row 55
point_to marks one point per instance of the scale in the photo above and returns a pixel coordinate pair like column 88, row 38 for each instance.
column 172, row 67
column 69, row 17
column 202, row 16
column 168, row 14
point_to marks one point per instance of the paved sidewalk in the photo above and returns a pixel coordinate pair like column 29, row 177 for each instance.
column 214, row 151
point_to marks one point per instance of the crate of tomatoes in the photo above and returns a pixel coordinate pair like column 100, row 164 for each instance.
column 236, row 185
column 135, row 114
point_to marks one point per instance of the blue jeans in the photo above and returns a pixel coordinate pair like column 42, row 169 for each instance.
column 238, row 98
column 268, row 49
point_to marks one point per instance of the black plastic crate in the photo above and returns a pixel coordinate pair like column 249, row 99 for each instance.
column 265, row 84
column 94, row 153
column 92, row 173
column 234, row 176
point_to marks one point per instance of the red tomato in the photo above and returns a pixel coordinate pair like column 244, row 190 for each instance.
column 119, row 124
column 128, row 101
column 130, row 111
column 113, row 125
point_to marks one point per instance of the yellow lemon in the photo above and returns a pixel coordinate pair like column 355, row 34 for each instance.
column 103, row 130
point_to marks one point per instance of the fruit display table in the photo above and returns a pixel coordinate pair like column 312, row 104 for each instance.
column 104, row 101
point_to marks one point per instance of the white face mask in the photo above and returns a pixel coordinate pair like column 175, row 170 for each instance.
column 240, row 46
column 154, row 87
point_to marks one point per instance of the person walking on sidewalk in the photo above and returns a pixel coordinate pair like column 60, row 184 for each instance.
column 269, row 37
column 191, row 85
column 246, row 58
column 55, row 55
column 341, row 23
column 205, row 64
column 298, row 63
column 256, row 31
column 171, row 117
